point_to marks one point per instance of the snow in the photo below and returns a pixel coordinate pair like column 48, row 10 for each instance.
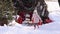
column 51, row 28
column 52, row 6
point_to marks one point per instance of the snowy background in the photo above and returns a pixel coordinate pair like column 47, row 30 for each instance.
column 51, row 28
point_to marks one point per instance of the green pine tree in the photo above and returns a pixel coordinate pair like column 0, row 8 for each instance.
column 6, row 9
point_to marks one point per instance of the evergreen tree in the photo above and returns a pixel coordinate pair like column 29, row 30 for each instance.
column 6, row 10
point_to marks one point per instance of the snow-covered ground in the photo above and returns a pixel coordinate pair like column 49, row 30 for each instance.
column 52, row 6
column 51, row 28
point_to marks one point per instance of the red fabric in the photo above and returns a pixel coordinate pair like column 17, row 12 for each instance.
column 19, row 20
column 33, row 20
column 21, row 17
column 48, row 20
column 21, row 14
column 39, row 23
